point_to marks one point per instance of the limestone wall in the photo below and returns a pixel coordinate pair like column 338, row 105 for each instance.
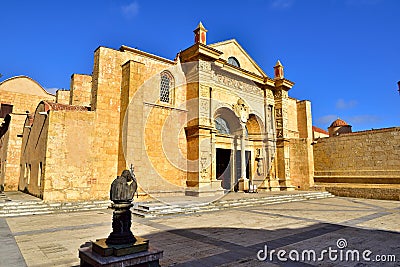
column 11, row 153
column 62, row 96
column 300, row 168
column 69, row 157
column 300, row 138
column 293, row 129
column 33, row 153
column 371, row 157
column 23, row 102
column 4, row 139
column 81, row 87
column 155, row 141
column 114, row 85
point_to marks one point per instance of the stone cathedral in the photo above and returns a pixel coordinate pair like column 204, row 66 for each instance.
column 208, row 122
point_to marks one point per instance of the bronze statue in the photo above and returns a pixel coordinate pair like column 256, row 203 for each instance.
column 123, row 188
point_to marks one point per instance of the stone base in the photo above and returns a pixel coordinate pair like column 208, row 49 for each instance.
column 201, row 193
column 105, row 250
column 147, row 258
column 205, row 189
column 278, row 188
column 243, row 185
column 290, row 188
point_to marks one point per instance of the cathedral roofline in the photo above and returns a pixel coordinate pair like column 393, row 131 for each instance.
column 319, row 130
column 125, row 48
column 18, row 77
column 193, row 52
column 243, row 51
column 240, row 72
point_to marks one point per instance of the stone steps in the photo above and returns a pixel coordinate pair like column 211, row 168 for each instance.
column 23, row 208
column 156, row 209
column 3, row 197
column 152, row 209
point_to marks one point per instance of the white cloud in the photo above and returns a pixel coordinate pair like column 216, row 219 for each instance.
column 364, row 119
column 327, row 119
column 130, row 10
column 342, row 104
column 53, row 90
column 282, row 4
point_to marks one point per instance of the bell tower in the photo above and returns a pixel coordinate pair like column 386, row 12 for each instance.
column 200, row 34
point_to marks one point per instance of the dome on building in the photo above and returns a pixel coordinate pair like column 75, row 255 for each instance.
column 338, row 123
column 338, row 127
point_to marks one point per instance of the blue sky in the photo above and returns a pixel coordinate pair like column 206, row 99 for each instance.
column 343, row 55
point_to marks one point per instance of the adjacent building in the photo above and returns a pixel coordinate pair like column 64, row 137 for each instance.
column 19, row 97
column 358, row 164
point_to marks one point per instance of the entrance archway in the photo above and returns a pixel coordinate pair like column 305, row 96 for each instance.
column 227, row 147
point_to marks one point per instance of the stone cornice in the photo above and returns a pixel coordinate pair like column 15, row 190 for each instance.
column 240, row 72
column 285, row 83
column 197, row 50
column 268, row 81
column 124, row 48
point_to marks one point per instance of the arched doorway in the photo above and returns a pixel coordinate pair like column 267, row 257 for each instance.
column 227, row 153
column 259, row 158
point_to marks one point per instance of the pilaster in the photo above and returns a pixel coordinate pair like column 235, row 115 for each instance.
column 282, row 86
column 200, row 132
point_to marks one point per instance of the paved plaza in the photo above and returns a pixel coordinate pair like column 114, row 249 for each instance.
column 336, row 229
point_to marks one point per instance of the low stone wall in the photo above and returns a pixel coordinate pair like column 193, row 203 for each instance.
column 360, row 191
column 365, row 158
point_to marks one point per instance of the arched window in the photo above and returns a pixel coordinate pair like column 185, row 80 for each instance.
column 166, row 86
column 222, row 126
column 233, row 61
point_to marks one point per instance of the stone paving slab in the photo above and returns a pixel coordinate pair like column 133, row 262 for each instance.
column 230, row 237
column 10, row 254
column 188, row 200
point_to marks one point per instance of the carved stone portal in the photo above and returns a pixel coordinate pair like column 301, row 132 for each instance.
column 241, row 110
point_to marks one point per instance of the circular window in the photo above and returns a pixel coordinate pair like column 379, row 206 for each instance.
column 233, row 61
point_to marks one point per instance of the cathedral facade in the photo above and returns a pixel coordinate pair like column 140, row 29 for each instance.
column 208, row 122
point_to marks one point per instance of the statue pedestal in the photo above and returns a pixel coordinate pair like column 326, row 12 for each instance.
column 121, row 248
column 103, row 249
column 122, row 222
column 148, row 257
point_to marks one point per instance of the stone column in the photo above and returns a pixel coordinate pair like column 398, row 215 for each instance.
column 242, row 111
column 201, row 134
column 243, row 152
column 282, row 87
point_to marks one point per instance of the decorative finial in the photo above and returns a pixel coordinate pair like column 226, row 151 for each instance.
column 200, row 34
column 278, row 70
